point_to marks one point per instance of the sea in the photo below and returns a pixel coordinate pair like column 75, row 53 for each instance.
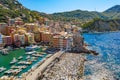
column 105, row 66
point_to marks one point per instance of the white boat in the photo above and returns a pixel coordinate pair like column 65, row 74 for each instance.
column 13, row 61
column 4, row 51
column 31, row 48
column 20, row 57
column 2, row 69
column 29, row 53
column 28, row 57
column 24, row 62
column 33, row 59
column 37, row 55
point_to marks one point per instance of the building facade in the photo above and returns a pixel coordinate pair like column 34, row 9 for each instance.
column 7, row 40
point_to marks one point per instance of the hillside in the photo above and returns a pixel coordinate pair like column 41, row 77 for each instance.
column 102, row 25
column 113, row 12
column 79, row 15
column 85, row 16
column 106, row 21
column 13, row 9
column 115, row 8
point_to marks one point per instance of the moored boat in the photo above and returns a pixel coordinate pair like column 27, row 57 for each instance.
column 30, row 53
column 2, row 69
column 20, row 57
column 28, row 57
column 13, row 61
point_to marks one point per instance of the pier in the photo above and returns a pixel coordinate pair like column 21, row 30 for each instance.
column 33, row 75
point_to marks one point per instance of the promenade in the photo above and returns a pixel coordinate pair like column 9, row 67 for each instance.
column 33, row 75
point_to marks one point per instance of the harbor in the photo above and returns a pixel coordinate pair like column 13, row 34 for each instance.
column 17, row 62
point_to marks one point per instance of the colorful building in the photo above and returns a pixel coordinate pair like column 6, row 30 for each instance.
column 18, row 21
column 37, row 36
column 46, row 36
column 31, row 27
column 30, row 38
column 1, row 40
column 7, row 40
column 59, row 41
column 22, row 39
column 10, row 29
column 11, row 22
column 19, row 39
column 3, row 28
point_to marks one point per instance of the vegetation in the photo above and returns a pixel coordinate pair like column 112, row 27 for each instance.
column 99, row 21
column 102, row 25
column 13, row 9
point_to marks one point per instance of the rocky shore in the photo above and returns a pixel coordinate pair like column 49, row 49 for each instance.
column 70, row 67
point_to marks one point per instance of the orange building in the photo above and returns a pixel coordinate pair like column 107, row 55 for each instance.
column 55, row 42
column 59, row 41
column 46, row 36
column 10, row 29
column 37, row 36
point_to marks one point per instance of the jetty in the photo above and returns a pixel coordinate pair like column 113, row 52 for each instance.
column 38, row 72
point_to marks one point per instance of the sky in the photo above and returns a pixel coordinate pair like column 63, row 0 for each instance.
column 54, row 6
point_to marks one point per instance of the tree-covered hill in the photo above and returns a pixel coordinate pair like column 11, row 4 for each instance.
column 79, row 15
column 102, row 25
column 13, row 9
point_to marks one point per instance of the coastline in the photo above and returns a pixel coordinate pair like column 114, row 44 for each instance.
column 95, row 32
column 70, row 67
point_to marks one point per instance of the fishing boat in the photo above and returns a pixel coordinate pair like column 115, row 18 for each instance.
column 20, row 57
column 13, row 61
column 2, row 69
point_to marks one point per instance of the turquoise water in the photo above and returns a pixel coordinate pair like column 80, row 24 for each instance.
column 6, row 59
column 106, row 66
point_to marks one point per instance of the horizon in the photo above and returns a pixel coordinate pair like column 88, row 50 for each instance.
column 57, row 6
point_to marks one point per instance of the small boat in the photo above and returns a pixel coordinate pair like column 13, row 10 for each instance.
column 30, row 53
column 31, row 48
column 13, row 61
column 2, row 69
column 28, row 57
column 43, row 53
column 4, row 51
column 33, row 59
column 25, row 62
column 20, row 57
column 37, row 55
